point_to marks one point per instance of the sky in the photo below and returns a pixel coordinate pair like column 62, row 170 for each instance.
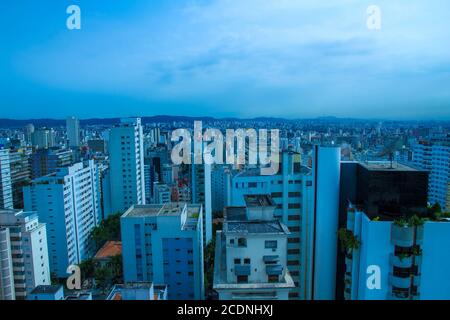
column 225, row 58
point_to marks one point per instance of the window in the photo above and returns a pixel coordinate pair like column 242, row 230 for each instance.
column 242, row 279
column 272, row 278
column 294, row 194
column 294, row 217
column 237, row 261
column 270, row 244
column 252, row 185
column 277, row 194
column 242, row 242
column 294, row 206
column 246, row 261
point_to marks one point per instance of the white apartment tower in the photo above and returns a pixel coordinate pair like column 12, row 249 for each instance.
column 68, row 201
column 126, row 153
column 251, row 253
column 6, row 198
column 435, row 158
column 23, row 249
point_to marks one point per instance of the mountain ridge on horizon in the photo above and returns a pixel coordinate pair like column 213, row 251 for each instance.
column 42, row 122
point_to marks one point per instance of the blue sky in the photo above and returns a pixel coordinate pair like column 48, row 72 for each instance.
column 284, row 58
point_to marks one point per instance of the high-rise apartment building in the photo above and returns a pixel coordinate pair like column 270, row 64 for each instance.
column 68, row 202
column 43, row 138
column 375, row 198
column 47, row 161
column 6, row 196
column 251, row 253
column 201, row 193
column 161, row 193
column 27, row 246
column 220, row 181
column 435, row 158
column 290, row 189
column 164, row 244
column 29, row 129
column 126, row 165
column 7, row 291
column 73, row 131
column 20, row 174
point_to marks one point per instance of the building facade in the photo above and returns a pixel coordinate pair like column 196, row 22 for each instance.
column 251, row 253
column 68, row 202
column 28, row 251
column 6, row 196
column 73, row 132
column 164, row 244
column 290, row 189
column 435, row 158
column 126, row 156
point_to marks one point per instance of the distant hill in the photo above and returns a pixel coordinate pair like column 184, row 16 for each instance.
column 14, row 123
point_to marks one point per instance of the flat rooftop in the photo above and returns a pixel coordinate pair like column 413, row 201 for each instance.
column 50, row 289
column 386, row 166
column 259, row 200
column 266, row 227
column 149, row 210
column 236, row 222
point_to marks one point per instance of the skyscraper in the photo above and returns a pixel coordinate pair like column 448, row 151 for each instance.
column 73, row 131
column 126, row 165
column 164, row 244
column 68, row 202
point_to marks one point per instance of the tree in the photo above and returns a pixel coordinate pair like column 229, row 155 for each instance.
column 116, row 268
column 87, row 268
column 103, row 276
column 348, row 240
column 109, row 229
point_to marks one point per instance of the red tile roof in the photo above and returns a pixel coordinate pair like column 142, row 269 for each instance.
column 109, row 249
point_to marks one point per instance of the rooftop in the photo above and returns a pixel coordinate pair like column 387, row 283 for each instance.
column 255, row 227
column 168, row 209
column 173, row 209
column 259, row 200
column 236, row 221
column 49, row 289
column 386, row 166
column 109, row 249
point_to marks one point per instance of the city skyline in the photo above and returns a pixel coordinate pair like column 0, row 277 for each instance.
column 286, row 59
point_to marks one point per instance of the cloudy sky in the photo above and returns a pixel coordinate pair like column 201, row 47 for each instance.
column 243, row 58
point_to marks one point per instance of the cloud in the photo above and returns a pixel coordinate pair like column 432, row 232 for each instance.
column 275, row 57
